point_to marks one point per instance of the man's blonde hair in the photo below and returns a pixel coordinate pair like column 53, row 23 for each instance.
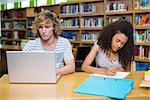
column 46, row 16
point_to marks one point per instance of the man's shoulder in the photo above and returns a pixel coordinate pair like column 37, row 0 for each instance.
column 35, row 41
column 62, row 39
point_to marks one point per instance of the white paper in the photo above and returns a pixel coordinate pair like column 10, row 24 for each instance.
column 119, row 75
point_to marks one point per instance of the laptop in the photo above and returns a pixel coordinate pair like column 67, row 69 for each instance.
column 32, row 67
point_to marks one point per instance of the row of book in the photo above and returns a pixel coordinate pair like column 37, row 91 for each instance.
column 142, row 52
column 142, row 4
column 74, row 9
column 70, row 23
column 89, row 36
column 87, row 8
column 16, row 25
column 30, row 22
column 14, row 35
column 19, row 24
column 70, row 35
column 6, row 15
column 7, row 25
column 142, row 36
column 19, row 14
column 18, row 34
column 116, row 18
column 92, row 22
column 142, row 66
column 69, row 9
column 142, row 20
column 117, row 6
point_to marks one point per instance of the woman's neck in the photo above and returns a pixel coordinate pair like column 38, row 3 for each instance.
column 112, row 55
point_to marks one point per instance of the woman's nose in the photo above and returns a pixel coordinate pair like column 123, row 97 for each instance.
column 119, row 45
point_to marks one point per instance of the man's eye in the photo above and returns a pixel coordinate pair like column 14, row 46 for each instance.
column 47, row 26
column 40, row 27
column 117, row 40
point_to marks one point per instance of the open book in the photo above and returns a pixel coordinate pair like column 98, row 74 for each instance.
column 119, row 75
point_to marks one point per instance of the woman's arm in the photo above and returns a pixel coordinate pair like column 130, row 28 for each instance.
column 90, row 69
column 86, row 66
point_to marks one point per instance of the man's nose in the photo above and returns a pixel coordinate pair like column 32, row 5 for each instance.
column 43, row 29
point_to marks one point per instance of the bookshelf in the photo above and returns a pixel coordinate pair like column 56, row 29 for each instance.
column 82, row 20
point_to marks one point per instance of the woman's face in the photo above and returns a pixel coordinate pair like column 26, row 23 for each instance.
column 46, row 30
column 118, row 41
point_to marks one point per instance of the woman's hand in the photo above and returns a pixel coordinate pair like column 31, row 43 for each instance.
column 110, row 71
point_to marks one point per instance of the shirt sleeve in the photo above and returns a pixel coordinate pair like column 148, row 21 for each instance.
column 68, row 51
column 27, row 47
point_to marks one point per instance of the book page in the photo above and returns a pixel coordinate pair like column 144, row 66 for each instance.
column 119, row 75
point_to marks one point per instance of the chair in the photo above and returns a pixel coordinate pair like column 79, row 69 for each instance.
column 82, row 52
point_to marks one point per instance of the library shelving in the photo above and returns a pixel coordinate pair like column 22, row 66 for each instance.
column 82, row 21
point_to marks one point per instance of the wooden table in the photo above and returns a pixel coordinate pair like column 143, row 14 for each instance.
column 10, row 47
column 3, row 61
column 64, row 89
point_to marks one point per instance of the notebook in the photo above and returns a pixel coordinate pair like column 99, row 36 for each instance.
column 108, row 87
column 119, row 75
column 32, row 67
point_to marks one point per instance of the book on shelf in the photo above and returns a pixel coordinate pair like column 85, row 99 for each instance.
column 142, row 20
column 87, row 9
column 69, row 35
column 70, row 23
column 69, row 9
column 116, row 18
column 143, row 52
column 30, row 12
column 142, row 66
column 142, row 36
column 116, row 6
column 92, row 22
column 89, row 36
column 146, row 81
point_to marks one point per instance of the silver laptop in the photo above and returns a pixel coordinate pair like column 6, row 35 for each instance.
column 32, row 67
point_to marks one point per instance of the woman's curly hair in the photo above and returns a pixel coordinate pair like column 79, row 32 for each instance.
column 46, row 16
column 105, row 39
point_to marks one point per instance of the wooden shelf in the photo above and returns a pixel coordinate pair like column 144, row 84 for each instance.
column 137, row 58
column 142, row 43
column 91, row 15
column 6, row 29
column 7, row 20
column 119, row 13
column 142, row 11
column 17, row 19
column 70, row 29
column 91, row 29
column 142, row 27
column 87, row 42
column 69, row 16
column 19, row 29
column 75, row 42
column 11, row 39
